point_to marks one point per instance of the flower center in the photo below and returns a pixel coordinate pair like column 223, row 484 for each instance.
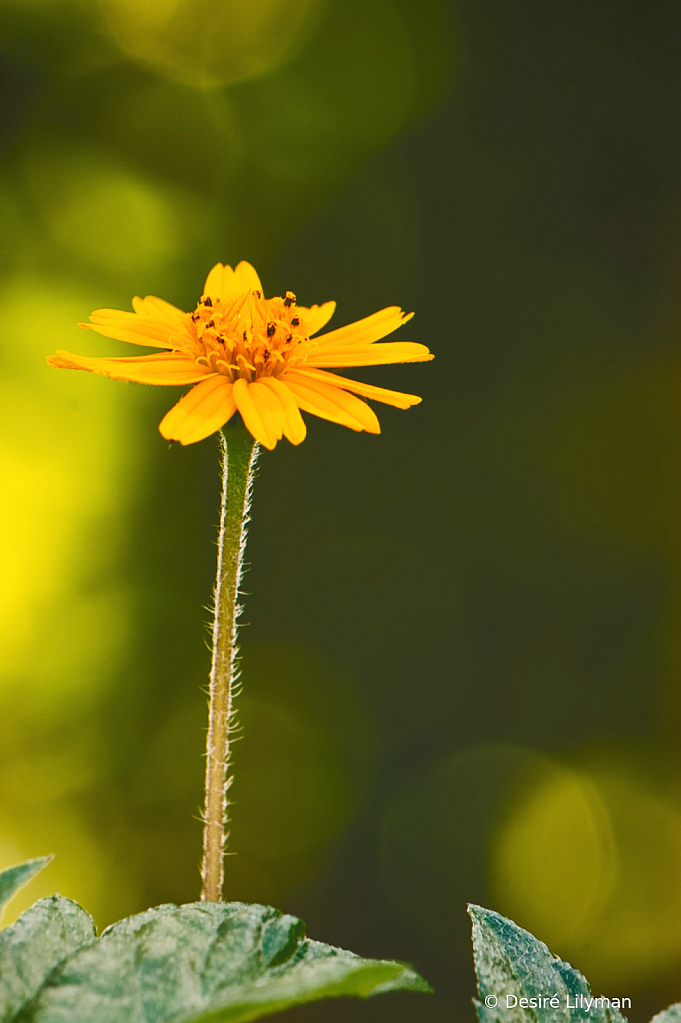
column 248, row 337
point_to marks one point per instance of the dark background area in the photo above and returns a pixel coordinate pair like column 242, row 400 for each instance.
column 461, row 645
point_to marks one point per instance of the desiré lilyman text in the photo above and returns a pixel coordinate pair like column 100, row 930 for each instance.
column 571, row 1002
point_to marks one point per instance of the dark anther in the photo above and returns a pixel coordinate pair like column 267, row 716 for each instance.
column 289, row 338
column 266, row 355
column 211, row 323
column 208, row 301
column 195, row 317
column 258, row 293
column 289, row 300
column 271, row 329
column 244, row 336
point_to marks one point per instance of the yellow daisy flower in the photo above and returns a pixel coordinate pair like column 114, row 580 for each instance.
column 251, row 354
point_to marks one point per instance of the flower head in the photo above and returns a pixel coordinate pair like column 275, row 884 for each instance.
column 255, row 355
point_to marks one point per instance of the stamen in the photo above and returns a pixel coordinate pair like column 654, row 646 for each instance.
column 245, row 337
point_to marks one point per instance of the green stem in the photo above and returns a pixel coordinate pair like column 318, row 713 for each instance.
column 239, row 454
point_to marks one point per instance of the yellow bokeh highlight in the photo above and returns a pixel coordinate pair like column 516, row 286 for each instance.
column 638, row 934
column 106, row 215
column 553, row 863
column 58, row 477
column 208, row 43
column 69, row 475
column 589, row 862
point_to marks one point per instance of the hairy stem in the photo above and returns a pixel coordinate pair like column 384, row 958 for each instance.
column 239, row 453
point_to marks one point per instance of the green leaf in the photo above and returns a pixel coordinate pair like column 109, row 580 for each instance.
column 14, row 878
column 512, row 965
column 30, row 950
column 218, row 962
column 670, row 1015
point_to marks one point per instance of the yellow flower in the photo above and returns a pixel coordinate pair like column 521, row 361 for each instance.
column 253, row 354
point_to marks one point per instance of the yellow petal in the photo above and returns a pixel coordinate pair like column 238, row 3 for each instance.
column 251, row 415
column 105, row 315
column 227, row 284
column 294, row 424
column 310, row 399
column 143, row 369
column 155, row 308
column 316, row 317
column 396, row 398
column 354, row 407
column 144, row 332
column 371, row 328
column 153, row 323
column 200, row 412
column 246, row 279
column 214, row 285
column 370, row 355
column 270, row 409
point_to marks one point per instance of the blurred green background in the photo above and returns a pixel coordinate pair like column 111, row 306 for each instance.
column 462, row 663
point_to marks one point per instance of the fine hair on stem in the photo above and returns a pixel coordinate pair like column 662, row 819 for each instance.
column 239, row 454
